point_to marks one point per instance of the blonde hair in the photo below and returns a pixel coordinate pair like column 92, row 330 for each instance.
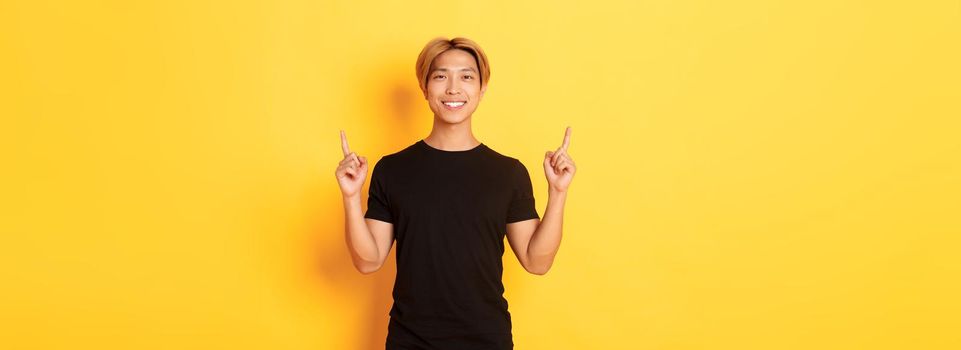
column 439, row 45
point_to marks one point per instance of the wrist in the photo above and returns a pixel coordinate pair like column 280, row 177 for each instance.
column 553, row 192
column 352, row 198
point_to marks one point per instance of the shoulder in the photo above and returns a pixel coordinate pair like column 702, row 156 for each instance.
column 390, row 160
column 505, row 161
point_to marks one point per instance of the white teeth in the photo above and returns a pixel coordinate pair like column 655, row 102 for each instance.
column 454, row 104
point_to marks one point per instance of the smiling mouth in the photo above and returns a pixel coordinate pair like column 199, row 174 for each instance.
column 454, row 105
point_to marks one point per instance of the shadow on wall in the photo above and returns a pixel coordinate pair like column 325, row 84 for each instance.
column 393, row 127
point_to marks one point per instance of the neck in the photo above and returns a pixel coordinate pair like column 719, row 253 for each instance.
column 452, row 137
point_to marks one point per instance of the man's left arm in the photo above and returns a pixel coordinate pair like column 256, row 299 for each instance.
column 535, row 242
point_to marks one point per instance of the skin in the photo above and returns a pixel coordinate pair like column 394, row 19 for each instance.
column 454, row 76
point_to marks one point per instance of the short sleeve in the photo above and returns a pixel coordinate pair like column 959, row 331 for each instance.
column 522, row 197
column 378, row 204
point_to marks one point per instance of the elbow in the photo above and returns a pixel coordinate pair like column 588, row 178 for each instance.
column 539, row 265
column 539, row 271
column 367, row 268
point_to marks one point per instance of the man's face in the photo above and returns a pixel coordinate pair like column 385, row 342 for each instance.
column 454, row 86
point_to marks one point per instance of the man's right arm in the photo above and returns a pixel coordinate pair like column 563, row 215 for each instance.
column 368, row 240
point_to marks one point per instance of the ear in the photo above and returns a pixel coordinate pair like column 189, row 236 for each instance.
column 483, row 89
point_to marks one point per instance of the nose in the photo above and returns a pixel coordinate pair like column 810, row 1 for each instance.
column 452, row 89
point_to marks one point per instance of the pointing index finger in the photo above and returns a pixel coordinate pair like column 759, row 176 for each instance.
column 343, row 143
column 567, row 139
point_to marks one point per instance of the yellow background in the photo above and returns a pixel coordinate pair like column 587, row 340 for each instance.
column 751, row 174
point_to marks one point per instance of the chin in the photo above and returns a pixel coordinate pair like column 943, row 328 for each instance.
column 454, row 118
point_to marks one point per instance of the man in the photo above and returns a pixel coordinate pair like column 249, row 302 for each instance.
column 449, row 200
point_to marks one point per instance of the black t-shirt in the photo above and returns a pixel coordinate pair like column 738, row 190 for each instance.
column 450, row 211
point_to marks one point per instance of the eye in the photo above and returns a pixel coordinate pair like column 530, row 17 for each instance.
column 438, row 76
column 468, row 77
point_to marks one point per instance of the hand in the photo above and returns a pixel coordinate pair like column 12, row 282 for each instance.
column 352, row 171
column 559, row 167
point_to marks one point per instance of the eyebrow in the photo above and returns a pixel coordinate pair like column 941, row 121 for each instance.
column 462, row 69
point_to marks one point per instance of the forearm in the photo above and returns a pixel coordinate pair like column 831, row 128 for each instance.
column 360, row 242
column 546, row 239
